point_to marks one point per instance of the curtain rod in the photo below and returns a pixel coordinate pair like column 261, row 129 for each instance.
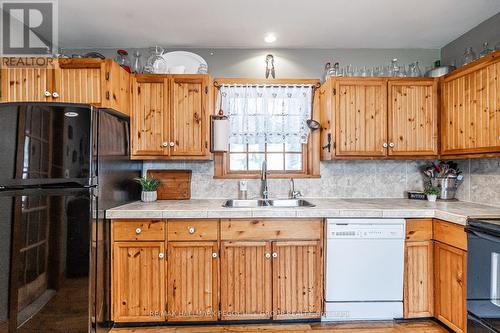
column 266, row 85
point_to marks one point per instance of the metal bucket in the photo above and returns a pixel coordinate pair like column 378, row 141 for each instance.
column 448, row 186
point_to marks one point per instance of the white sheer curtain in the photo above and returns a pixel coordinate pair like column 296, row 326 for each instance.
column 267, row 114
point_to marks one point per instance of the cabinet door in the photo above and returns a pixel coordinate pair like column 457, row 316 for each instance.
column 450, row 286
column 26, row 84
column 419, row 279
column 246, row 280
column 413, row 117
column 360, row 117
column 470, row 112
column 189, row 96
column 138, row 280
column 79, row 81
column 149, row 114
column 192, row 293
column 297, row 279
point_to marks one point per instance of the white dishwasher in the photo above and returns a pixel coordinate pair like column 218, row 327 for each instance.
column 364, row 269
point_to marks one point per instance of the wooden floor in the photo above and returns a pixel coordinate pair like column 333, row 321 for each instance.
column 418, row 326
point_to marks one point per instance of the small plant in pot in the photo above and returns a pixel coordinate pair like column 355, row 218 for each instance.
column 149, row 187
column 432, row 193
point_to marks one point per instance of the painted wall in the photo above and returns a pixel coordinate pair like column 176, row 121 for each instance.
column 487, row 31
column 293, row 63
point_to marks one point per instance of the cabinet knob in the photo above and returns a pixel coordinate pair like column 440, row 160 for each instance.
column 391, row 144
column 172, row 144
column 164, row 144
column 267, row 255
column 214, row 255
column 385, row 145
column 161, row 255
column 47, row 93
column 275, row 255
column 138, row 231
column 191, row 230
column 55, row 94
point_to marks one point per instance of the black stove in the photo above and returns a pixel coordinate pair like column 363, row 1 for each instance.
column 483, row 276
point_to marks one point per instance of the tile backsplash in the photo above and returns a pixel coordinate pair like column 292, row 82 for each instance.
column 349, row 179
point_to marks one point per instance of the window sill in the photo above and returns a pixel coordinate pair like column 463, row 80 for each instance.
column 270, row 176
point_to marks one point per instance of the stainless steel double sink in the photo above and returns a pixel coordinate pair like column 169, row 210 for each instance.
column 278, row 203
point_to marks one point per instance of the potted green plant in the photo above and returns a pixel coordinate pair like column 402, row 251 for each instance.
column 432, row 193
column 149, row 187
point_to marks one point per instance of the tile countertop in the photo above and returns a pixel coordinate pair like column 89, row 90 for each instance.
column 454, row 211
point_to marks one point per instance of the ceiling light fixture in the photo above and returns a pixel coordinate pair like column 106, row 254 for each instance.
column 270, row 38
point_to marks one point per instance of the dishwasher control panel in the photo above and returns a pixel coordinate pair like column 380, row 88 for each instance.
column 352, row 230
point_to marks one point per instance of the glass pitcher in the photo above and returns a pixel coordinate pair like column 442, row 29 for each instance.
column 156, row 63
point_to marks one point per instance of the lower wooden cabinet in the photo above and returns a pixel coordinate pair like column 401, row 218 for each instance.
column 297, row 279
column 278, row 280
column 246, row 280
column 192, row 283
column 138, row 285
column 450, row 286
column 419, row 279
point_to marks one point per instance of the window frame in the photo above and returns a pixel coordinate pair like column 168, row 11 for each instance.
column 310, row 150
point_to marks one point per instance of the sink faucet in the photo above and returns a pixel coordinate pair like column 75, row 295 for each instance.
column 292, row 194
column 263, row 181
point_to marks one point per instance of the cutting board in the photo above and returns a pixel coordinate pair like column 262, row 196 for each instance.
column 174, row 184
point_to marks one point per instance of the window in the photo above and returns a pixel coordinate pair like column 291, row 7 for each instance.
column 267, row 122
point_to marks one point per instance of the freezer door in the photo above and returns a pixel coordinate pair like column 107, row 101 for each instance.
column 45, row 144
column 44, row 261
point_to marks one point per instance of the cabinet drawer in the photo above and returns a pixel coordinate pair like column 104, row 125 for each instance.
column 451, row 234
column 259, row 229
column 191, row 230
column 138, row 230
column 418, row 230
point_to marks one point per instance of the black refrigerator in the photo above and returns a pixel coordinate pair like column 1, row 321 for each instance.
column 61, row 167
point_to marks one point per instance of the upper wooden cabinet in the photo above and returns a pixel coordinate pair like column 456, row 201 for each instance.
column 102, row 83
column 471, row 108
column 360, row 117
column 170, row 116
column 379, row 117
column 413, row 117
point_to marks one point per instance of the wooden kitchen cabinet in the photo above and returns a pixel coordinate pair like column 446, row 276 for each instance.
column 470, row 108
column 418, row 288
column 271, row 268
column 297, row 279
column 413, row 117
column 246, row 280
column 379, row 118
column 360, row 116
column 99, row 82
column 418, row 300
column 149, row 126
column 450, row 286
column 192, row 284
column 170, row 116
column 138, row 282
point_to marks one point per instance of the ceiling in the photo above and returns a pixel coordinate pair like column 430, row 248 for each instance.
column 243, row 24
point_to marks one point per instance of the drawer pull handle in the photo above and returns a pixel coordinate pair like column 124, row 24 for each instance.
column 138, row 231
column 391, row 144
column 164, row 144
column 267, row 255
column 385, row 145
column 275, row 255
column 214, row 255
column 191, row 230
column 47, row 93
column 172, row 144
column 55, row 94
column 161, row 255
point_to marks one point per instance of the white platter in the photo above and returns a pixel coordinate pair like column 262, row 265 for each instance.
column 183, row 58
